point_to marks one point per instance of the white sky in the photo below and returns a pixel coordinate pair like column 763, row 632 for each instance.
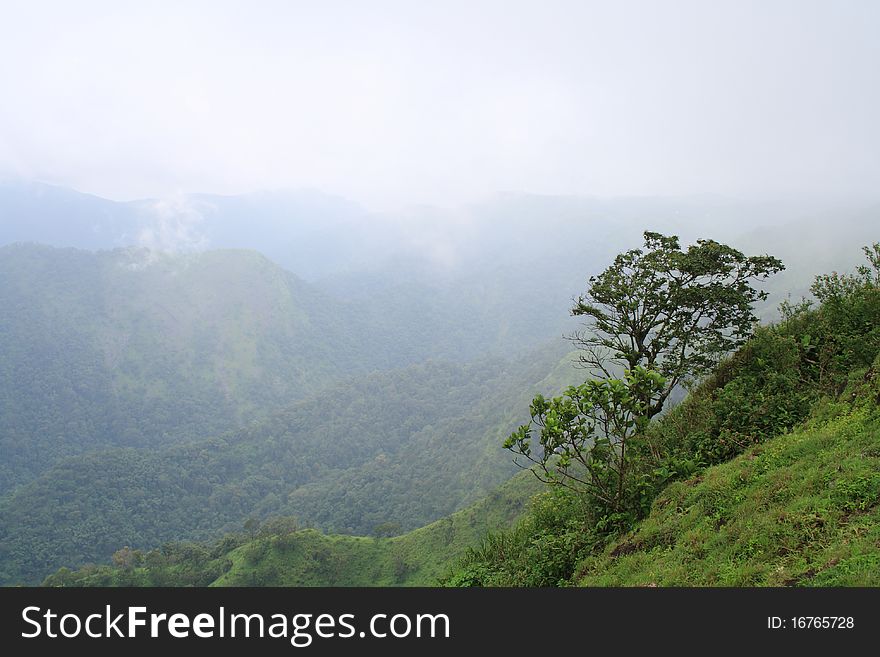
column 392, row 103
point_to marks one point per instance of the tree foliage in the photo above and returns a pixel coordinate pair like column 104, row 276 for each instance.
column 586, row 437
column 671, row 310
column 664, row 316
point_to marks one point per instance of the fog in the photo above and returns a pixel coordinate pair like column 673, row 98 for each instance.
column 392, row 104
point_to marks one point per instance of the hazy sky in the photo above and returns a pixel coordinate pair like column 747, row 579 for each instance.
column 443, row 102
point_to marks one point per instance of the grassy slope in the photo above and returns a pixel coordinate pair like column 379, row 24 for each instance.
column 417, row 558
column 800, row 509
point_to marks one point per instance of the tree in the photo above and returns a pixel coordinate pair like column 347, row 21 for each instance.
column 586, row 438
column 127, row 559
column 849, row 316
column 658, row 317
column 677, row 312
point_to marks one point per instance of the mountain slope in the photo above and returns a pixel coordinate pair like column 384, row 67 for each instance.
column 802, row 509
column 134, row 348
column 786, row 436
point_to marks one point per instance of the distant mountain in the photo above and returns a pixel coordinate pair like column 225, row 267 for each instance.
column 510, row 264
column 320, row 236
column 310, row 233
column 35, row 212
column 135, row 348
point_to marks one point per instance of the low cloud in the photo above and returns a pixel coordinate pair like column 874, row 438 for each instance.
column 174, row 225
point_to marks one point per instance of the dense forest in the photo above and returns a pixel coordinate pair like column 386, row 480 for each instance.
column 344, row 460
column 133, row 349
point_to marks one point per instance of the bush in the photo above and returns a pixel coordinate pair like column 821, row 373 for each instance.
column 543, row 550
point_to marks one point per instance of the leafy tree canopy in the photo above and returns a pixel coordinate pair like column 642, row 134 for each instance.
column 670, row 310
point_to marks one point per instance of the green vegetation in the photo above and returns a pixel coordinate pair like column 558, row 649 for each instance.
column 664, row 316
column 344, row 461
column 125, row 373
column 590, row 440
column 800, row 399
column 131, row 348
column 802, row 509
column 279, row 553
column 672, row 311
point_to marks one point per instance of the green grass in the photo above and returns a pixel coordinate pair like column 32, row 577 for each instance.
column 801, row 509
column 417, row 558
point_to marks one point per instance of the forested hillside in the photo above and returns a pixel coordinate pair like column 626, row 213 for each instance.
column 149, row 397
column 347, row 459
column 138, row 349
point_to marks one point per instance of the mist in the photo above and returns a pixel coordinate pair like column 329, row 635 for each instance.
column 392, row 104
